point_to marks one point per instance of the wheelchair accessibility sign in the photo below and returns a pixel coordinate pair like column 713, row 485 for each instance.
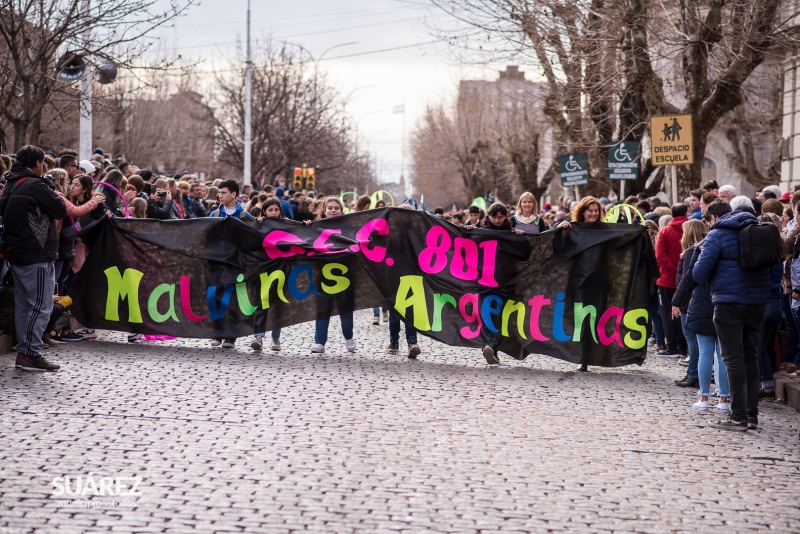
column 623, row 161
column 574, row 169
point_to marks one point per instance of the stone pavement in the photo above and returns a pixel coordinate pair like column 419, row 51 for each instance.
column 236, row 441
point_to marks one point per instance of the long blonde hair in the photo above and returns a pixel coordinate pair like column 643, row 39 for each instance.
column 693, row 231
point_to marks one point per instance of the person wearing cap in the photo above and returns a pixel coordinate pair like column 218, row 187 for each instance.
column 786, row 197
column 286, row 208
column 88, row 168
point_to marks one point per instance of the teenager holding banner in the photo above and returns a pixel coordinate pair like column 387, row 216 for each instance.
column 332, row 207
column 228, row 207
column 362, row 204
column 271, row 208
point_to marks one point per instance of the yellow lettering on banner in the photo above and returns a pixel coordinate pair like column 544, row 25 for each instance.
column 123, row 286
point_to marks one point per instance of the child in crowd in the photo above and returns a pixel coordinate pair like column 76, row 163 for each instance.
column 271, row 210
column 329, row 208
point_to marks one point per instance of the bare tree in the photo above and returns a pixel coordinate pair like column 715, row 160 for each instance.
column 607, row 62
column 34, row 34
column 297, row 118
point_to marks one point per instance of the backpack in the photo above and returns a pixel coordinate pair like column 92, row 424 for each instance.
column 760, row 246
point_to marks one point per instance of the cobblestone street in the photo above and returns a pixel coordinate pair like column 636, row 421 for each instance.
column 238, row 441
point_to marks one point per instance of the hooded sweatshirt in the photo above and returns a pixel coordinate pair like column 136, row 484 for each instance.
column 29, row 216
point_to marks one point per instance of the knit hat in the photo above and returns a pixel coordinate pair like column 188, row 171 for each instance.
column 87, row 166
column 279, row 192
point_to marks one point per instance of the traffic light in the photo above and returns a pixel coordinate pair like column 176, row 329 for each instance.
column 309, row 179
column 298, row 178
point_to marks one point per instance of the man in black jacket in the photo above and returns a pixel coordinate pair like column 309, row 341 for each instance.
column 29, row 208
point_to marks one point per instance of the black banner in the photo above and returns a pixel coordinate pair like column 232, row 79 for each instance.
column 571, row 292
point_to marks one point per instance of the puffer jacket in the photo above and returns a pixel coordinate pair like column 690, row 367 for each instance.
column 718, row 264
column 684, row 282
column 700, row 311
column 668, row 252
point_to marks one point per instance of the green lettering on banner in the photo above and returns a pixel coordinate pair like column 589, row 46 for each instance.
column 123, row 287
column 152, row 303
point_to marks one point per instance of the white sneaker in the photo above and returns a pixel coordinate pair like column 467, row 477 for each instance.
column 723, row 407
column 700, row 406
column 216, row 342
column 258, row 342
column 133, row 338
column 275, row 345
column 316, row 348
column 350, row 344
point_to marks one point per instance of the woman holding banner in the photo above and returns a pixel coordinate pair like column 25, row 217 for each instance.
column 332, row 207
column 527, row 220
column 588, row 210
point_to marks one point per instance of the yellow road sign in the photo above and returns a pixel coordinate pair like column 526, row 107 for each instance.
column 671, row 137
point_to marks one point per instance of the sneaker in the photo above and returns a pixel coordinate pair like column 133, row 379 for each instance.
column 376, row 321
column 724, row 407
column 46, row 344
column 394, row 348
column 216, row 342
column 491, row 357
column 668, row 353
column 275, row 345
column 350, row 345
column 728, row 424
column 35, row 363
column 766, row 395
column 583, row 368
column 72, row 336
column 55, row 340
column 414, row 351
column 385, row 316
column 87, row 333
column 684, row 362
column 258, row 342
column 316, row 348
column 228, row 343
column 700, row 406
column 133, row 338
column 752, row 423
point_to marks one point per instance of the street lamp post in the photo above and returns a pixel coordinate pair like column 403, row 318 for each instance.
column 85, row 135
column 248, row 144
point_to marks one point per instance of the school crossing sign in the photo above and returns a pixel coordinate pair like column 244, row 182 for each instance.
column 671, row 137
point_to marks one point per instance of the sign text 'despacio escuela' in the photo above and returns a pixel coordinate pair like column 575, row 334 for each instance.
column 671, row 137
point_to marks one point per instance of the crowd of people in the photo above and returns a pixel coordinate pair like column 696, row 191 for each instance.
column 720, row 319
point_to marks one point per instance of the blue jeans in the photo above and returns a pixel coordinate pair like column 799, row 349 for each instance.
column 709, row 345
column 321, row 328
column 376, row 312
column 772, row 318
column 655, row 315
column 790, row 317
column 276, row 334
column 394, row 330
column 691, row 343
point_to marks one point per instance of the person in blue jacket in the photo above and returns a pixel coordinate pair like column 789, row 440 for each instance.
column 286, row 208
column 739, row 297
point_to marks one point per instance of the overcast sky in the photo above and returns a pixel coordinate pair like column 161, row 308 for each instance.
column 416, row 74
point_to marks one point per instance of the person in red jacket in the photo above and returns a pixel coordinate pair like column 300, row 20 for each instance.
column 668, row 254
